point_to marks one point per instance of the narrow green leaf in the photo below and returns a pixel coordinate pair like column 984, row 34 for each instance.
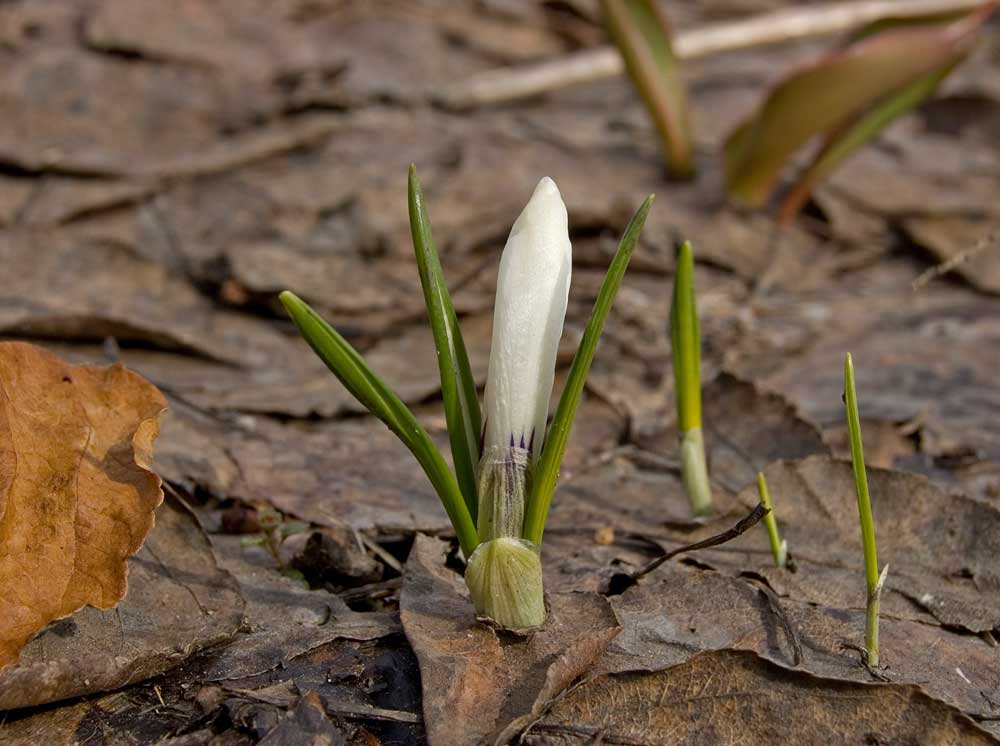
column 546, row 471
column 779, row 548
column 642, row 33
column 345, row 363
column 686, row 342
column 861, row 129
column 833, row 91
column 860, row 477
column 458, row 387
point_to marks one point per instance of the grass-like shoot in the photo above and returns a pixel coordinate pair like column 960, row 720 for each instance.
column 779, row 547
column 686, row 343
column 506, row 463
column 873, row 578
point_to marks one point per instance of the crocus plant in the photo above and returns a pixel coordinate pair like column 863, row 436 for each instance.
column 506, row 462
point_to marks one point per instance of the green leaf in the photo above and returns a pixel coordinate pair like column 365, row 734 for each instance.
column 458, row 387
column 686, row 342
column 641, row 31
column 860, row 130
column 860, row 477
column 345, row 363
column 546, row 471
column 779, row 547
column 833, row 92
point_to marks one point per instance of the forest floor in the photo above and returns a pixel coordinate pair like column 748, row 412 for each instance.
column 167, row 168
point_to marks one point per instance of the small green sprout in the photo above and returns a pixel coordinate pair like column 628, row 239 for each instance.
column 779, row 547
column 874, row 579
column 505, row 462
column 686, row 344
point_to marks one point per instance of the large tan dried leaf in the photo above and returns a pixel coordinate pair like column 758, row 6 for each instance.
column 480, row 686
column 735, row 697
column 76, row 491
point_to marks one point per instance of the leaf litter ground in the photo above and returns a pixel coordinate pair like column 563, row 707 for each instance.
column 161, row 244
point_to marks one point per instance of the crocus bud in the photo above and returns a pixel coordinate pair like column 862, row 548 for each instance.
column 532, row 290
column 504, row 573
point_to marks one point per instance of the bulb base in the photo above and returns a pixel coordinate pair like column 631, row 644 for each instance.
column 504, row 577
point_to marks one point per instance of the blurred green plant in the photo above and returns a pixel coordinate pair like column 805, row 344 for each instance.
column 845, row 98
column 641, row 31
column 274, row 529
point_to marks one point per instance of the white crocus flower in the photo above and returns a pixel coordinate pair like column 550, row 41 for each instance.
column 532, row 290
column 504, row 573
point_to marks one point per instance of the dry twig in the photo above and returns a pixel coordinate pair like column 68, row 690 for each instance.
column 591, row 65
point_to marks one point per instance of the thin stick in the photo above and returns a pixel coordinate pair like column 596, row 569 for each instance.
column 747, row 522
column 990, row 239
column 591, row 65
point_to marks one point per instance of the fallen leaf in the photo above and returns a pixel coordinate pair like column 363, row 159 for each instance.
column 941, row 547
column 179, row 601
column 682, row 611
column 76, row 491
column 284, row 618
column 480, row 684
column 950, row 237
column 307, row 723
column 732, row 697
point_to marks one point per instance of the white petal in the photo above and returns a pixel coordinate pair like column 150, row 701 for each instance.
column 532, row 290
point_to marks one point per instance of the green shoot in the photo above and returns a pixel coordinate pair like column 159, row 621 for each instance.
column 546, row 471
column 686, row 343
column 779, row 547
column 348, row 366
column 642, row 33
column 458, row 387
column 873, row 578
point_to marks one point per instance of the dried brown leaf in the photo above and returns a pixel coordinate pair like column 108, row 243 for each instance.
column 682, row 611
column 480, row 684
column 735, row 697
column 77, row 494
column 941, row 547
column 179, row 601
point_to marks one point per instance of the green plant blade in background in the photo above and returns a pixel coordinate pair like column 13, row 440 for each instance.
column 458, row 387
column 862, row 129
column 345, row 363
column 642, row 33
column 546, row 471
column 833, row 91
column 686, row 342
